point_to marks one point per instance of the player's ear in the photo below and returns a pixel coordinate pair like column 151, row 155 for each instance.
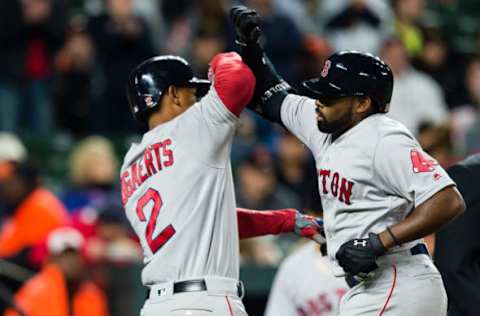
column 173, row 94
column 363, row 105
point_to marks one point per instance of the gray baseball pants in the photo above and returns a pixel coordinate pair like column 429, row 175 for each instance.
column 221, row 298
column 403, row 285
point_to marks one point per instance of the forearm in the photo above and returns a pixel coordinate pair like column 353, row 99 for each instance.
column 252, row 223
column 271, row 89
column 426, row 219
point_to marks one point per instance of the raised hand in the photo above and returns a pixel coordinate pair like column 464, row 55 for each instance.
column 247, row 24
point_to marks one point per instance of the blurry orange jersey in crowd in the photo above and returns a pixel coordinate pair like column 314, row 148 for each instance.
column 46, row 295
column 34, row 218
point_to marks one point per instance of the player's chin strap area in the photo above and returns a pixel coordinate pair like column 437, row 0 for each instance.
column 353, row 280
column 211, row 285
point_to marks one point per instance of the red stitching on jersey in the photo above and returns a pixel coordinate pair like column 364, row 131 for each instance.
column 391, row 290
column 229, row 306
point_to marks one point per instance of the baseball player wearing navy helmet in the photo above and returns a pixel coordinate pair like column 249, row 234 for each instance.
column 381, row 193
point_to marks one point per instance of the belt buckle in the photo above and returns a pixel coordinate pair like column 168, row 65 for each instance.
column 240, row 290
column 197, row 285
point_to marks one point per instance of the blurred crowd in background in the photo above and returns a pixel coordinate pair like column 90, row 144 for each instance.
column 66, row 122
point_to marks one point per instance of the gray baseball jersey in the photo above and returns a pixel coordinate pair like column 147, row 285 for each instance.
column 305, row 286
column 370, row 177
column 177, row 189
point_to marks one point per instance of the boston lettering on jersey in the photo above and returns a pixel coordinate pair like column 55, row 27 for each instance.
column 154, row 159
column 336, row 185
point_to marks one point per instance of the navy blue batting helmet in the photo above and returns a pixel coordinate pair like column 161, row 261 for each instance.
column 352, row 73
column 149, row 80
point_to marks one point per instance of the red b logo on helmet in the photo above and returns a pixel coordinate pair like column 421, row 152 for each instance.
column 149, row 100
column 326, row 68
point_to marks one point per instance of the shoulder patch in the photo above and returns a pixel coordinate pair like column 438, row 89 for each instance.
column 420, row 163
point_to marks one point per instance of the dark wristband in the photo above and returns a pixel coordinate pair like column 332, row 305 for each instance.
column 376, row 244
column 389, row 230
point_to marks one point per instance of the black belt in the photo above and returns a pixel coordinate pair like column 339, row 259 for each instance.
column 419, row 249
column 189, row 286
column 195, row 286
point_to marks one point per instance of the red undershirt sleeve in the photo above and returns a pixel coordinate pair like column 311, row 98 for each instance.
column 252, row 223
column 233, row 81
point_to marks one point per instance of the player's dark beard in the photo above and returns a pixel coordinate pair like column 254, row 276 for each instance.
column 338, row 126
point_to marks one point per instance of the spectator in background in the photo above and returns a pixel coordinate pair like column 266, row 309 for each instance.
column 74, row 64
column 204, row 47
column 244, row 140
column 34, row 211
column 150, row 11
column 258, row 187
column 210, row 34
column 293, row 163
column 315, row 51
column 122, row 40
column 11, row 150
column 305, row 285
column 315, row 46
column 284, row 42
column 93, row 174
column 114, row 241
column 303, row 12
column 60, row 289
column 29, row 38
column 179, row 23
column 465, row 118
column 212, row 17
column 458, row 244
column 356, row 24
column 436, row 61
column 197, row 30
column 416, row 97
column 30, row 213
column 407, row 24
column 112, row 252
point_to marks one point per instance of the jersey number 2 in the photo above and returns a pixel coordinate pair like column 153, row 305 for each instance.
column 154, row 243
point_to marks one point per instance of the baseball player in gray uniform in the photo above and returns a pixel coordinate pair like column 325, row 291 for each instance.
column 305, row 286
column 177, row 186
column 381, row 193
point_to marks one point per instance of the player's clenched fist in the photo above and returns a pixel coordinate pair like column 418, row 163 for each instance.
column 309, row 227
column 247, row 24
column 359, row 255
